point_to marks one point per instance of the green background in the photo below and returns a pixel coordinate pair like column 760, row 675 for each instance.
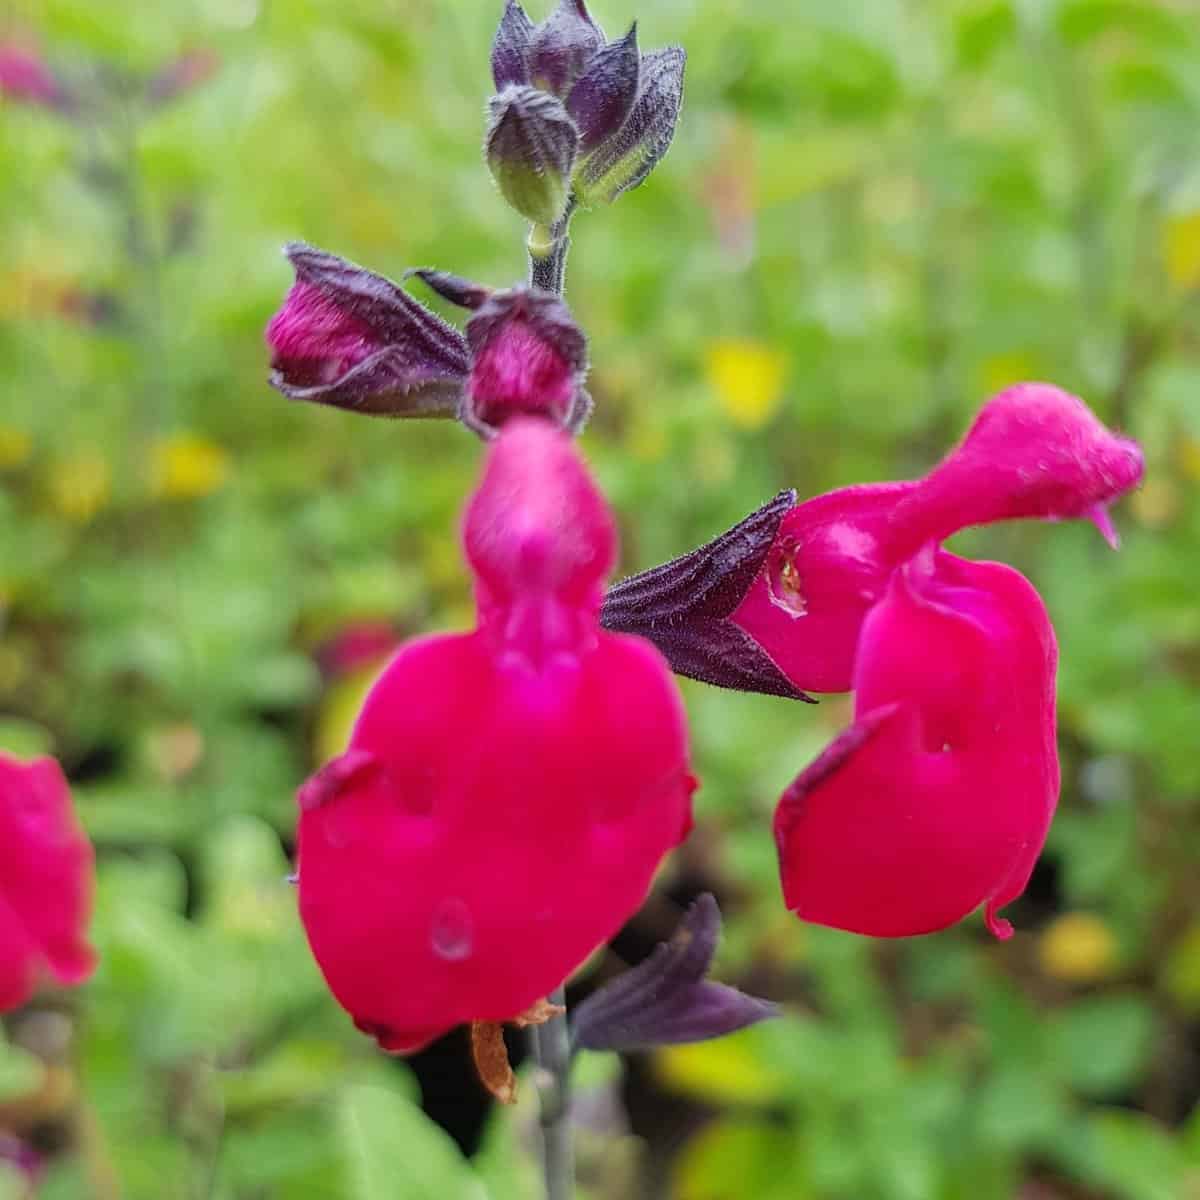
column 876, row 213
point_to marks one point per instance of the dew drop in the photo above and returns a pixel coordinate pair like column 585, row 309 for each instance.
column 452, row 930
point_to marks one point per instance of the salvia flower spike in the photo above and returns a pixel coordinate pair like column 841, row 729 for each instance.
column 46, row 882
column 668, row 999
column 938, row 798
column 508, row 793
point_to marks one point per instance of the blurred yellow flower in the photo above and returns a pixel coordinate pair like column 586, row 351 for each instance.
column 185, row 466
column 1181, row 249
column 1155, row 503
column 80, row 486
column 1078, row 948
column 748, row 377
column 1189, row 457
column 730, row 1070
column 1182, row 972
column 15, row 445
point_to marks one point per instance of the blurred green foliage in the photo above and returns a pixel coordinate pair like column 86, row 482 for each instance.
column 876, row 213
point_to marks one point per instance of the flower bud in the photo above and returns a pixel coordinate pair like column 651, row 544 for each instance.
column 510, row 49
column 562, row 46
column 352, row 339
column 624, row 159
column 531, row 149
column 604, row 95
column 528, row 358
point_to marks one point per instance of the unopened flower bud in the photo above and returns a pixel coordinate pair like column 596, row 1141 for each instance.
column 604, row 95
column 510, row 48
column 531, row 149
column 352, row 339
column 562, row 46
column 624, row 159
column 528, row 358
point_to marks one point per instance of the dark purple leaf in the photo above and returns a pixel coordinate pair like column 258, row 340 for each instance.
column 666, row 1000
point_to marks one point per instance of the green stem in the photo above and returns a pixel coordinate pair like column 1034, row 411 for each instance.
column 551, row 1045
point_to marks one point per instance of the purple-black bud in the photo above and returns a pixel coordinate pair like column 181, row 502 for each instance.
column 528, row 358
column 510, row 48
column 667, row 999
column 604, row 94
column 684, row 607
column 352, row 339
column 624, row 159
column 562, row 46
column 531, row 148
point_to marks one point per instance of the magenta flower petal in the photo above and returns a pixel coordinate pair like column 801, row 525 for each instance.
column 46, row 878
column 1033, row 451
column 938, row 799
column 509, row 793
column 830, row 563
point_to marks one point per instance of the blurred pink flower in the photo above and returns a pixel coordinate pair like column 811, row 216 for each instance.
column 46, row 879
column 25, row 75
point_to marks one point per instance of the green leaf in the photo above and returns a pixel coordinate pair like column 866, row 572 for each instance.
column 394, row 1152
column 20, row 1071
column 1101, row 1045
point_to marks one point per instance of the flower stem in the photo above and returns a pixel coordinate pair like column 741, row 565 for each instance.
column 551, row 1044
column 548, row 249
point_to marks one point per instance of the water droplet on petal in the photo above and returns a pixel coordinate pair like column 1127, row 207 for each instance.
column 452, row 930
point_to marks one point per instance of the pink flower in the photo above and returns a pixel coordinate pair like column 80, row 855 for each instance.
column 939, row 796
column 46, row 879
column 1033, row 451
column 528, row 358
column 508, row 793
column 24, row 75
